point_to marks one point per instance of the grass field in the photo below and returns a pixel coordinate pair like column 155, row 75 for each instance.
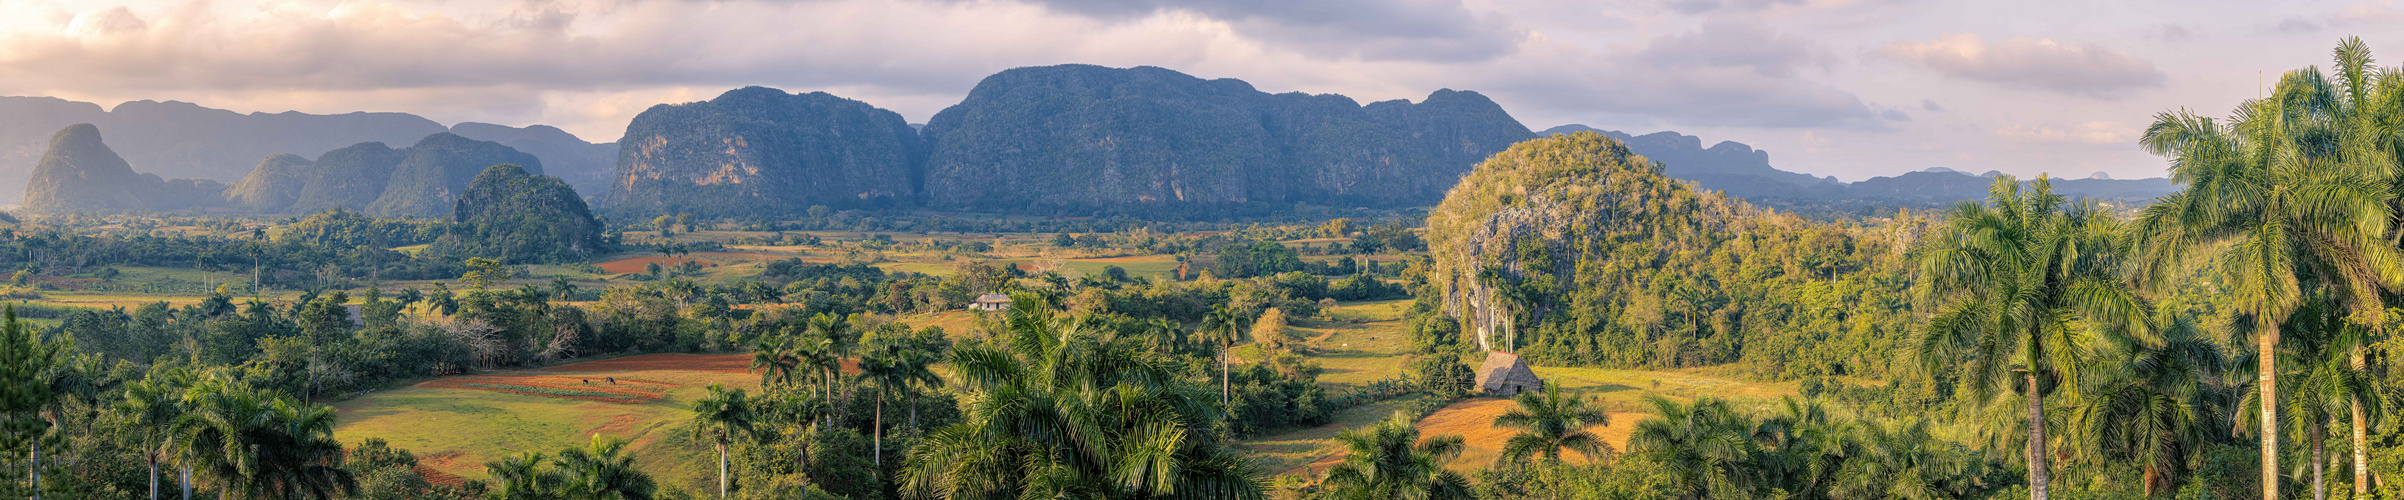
column 1359, row 343
column 1308, row 452
column 1364, row 342
column 456, row 424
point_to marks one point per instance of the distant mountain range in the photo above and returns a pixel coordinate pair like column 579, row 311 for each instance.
column 1741, row 171
column 180, row 139
column 79, row 172
column 1067, row 139
column 1057, row 139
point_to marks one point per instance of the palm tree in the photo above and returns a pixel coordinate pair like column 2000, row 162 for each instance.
column 2326, row 384
column 1802, row 446
column 775, row 362
column 2283, row 193
column 2373, row 101
column 836, row 336
column 523, row 477
column 602, row 471
column 1161, row 334
column 836, row 329
column 819, row 357
column 2154, row 407
column 1550, row 422
column 1224, row 327
column 2022, row 287
column 562, row 288
column 410, row 296
column 1902, row 460
column 262, row 446
column 722, row 417
column 1387, row 460
column 894, row 370
column 1059, row 410
column 1704, row 443
column 148, row 413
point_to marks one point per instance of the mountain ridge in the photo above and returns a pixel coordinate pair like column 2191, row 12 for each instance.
column 1739, row 170
column 79, row 172
column 183, row 139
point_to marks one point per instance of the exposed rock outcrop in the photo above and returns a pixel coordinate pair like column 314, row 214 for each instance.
column 758, row 150
column 80, row 173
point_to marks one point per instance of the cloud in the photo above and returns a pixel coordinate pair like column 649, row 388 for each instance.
column 2296, row 25
column 1931, row 105
column 508, row 61
column 1414, row 30
column 1736, row 45
column 1723, row 74
column 2369, row 14
column 2031, row 63
column 1703, row 6
column 2359, row 15
column 2169, row 33
column 2096, row 133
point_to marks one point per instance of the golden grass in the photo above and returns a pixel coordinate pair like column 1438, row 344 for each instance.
column 460, row 429
column 1308, row 452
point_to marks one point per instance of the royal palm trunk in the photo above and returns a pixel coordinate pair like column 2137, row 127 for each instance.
column 2360, row 428
column 2037, row 481
column 2266, row 380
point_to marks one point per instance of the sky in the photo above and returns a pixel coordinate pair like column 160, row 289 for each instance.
column 1849, row 88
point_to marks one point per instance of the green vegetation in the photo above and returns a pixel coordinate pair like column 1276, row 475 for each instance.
column 1095, row 413
column 1388, row 460
column 520, row 218
column 1572, row 251
column 1691, row 345
column 1551, row 422
column 2020, row 287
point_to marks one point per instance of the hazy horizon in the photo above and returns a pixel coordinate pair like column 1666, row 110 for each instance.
column 1853, row 89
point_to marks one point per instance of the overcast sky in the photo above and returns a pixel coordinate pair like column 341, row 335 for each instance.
column 1851, row 88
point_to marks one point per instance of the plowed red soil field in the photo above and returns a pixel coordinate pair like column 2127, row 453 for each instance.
column 720, row 363
column 635, row 264
column 623, row 391
column 724, row 363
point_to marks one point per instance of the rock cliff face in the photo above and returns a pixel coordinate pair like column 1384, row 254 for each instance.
column 350, row 177
column 1550, row 215
column 1089, row 137
column 417, row 181
column 758, row 150
column 80, row 173
column 436, row 169
column 272, row 186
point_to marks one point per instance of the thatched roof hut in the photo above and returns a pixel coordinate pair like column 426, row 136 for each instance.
column 1505, row 375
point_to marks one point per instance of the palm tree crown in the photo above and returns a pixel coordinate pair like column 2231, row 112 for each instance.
column 2291, row 194
column 1058, row 410
column 1550, row 422
column 1388, row 460
column 2023, row 285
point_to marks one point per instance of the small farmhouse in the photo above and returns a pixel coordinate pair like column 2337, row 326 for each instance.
column 990, row 302
column 1505, row 375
